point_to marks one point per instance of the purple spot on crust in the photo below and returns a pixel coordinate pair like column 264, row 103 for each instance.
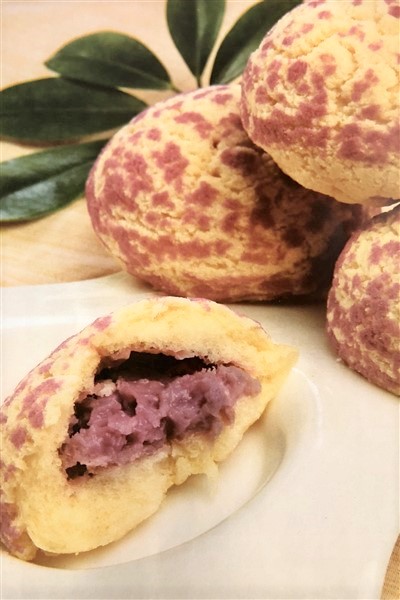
column 195, row 248
column 132, row 139
column 231, row 204
column 317, row 105
column 203, row 196
column 376, row 253
column 3, row 418
column 372, row 112
column 221, row 247
column 375, row 46
column 102, row 323
column 261, row 95
column 171, row 161
column 9, row 533
column 391, row 248
column 370, row 79
column 328, row 64
column 154, row 134
column 247, row 78
column 285, row 130
column 366, row 145
column 44, row 368
column 195, row 217
column 161, row 108
column 175, row 105
column 222, row 98
column 324, row 14
column 271, row 81
column 131, row 252
column 211, row 91
column 303, row 89
column 133, row 162
column 297, row 70
column 288, row 40
column 307, row 27
column 202, row 126
column 20, row 387
column 203, row 94
column 266, row 45
column 117, row 191
column 154, row 219
column 18, row 437
column 7, row 470
column 35, row 401
column 141, row 252
column 162, row 200
column 136, row 181
column 230, row 222
column 394, row 11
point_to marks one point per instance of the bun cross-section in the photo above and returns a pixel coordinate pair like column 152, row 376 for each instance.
column 95, row 435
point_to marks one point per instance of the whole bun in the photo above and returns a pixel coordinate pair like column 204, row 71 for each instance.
column 363, row 314
column 321, row 96
column 186, row 202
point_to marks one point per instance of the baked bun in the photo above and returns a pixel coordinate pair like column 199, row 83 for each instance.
column 363, row 314
column 186, row 202
column 95, row 435
column 321, row 96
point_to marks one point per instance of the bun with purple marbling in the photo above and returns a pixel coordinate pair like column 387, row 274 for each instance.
column 95, row 435
column 363, row 313
column 186, row 202
column 321, row 96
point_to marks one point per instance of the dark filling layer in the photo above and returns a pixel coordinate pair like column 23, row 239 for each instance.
column 140, row 403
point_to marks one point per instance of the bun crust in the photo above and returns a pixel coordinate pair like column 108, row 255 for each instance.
column 321, row 96
column 42, row 508
column 186, row 202
column 363, row 312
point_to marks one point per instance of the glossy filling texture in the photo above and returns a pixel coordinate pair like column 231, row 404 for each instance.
column 140, row 403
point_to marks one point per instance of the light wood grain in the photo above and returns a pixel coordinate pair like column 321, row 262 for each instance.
column 62, row 247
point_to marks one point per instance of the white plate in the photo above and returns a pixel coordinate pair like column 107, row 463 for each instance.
column 306, row 507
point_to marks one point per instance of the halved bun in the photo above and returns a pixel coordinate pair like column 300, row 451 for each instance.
column 45, row 505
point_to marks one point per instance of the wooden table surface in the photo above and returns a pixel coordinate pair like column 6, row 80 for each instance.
column 62, row 247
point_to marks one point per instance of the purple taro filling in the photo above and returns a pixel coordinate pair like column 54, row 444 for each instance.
column 139, row 404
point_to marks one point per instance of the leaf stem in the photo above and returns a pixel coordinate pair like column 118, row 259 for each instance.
column 175, row 89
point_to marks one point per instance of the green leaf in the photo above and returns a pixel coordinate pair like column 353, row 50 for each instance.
column 194, row 27
column 111, row 59
column 245, row 37
column 57, row 109
column 35, row 185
